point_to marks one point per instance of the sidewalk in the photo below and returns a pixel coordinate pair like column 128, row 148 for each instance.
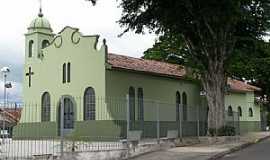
column 205, row 150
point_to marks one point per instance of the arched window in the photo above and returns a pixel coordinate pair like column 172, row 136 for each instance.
column 250, row 112
column 64, row 73
column 239, row 111
column 30, row 48
column 45, row 43
column 89, row 104
column 178, row 102
column 68, row 72
column 230, row 111
column 131, row 94
column 140, row 105
column 45, row 107
column 184, row 102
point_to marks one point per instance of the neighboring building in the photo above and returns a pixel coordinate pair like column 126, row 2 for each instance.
column 241, row 99
column 69, row 65
column 9, row 118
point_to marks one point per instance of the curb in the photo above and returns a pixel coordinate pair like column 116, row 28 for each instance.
column 237, row 148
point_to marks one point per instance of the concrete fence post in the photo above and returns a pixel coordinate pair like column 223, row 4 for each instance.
column 4, row 109
column 233, row 121
column 128, row 125
column 180, row 122
column 158, row 123
column 128, row 115
column 198, row 121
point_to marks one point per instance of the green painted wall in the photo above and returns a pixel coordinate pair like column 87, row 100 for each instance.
column 87, row 70
column 155, row 89
column 245, row 101
column 250, row 126
column 35, row 130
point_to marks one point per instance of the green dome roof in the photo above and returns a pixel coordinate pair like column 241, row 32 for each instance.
column 40, row 25
column 40, row 22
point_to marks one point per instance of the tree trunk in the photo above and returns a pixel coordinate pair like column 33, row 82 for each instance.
column 214, row 82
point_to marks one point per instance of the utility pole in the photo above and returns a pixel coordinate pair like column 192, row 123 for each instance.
column 5, row 71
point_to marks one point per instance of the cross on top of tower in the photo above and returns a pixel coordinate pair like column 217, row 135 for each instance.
column 40, row 14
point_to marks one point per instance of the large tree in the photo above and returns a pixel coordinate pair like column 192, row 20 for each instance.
column 250, row 62
column 210, row 30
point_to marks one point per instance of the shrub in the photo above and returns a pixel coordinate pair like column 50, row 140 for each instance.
column 223, row 131
column 226, row 131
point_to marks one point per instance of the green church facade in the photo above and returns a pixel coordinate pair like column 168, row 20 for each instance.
column 69, row 65
column 250, row 116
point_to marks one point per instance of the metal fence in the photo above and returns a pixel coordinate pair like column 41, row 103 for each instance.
column 104, row 125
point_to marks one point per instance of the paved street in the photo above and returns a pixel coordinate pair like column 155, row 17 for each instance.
column 255, row 152
column 196, row 152
column 204, row 151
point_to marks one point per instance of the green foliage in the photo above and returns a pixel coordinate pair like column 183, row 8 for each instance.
column 93, row 1
column 198, row 32
column 227, row 131
column 251, row 60
column 253, row 63
column 248, row 55
column 168, row 48
column 207, row 27
column 223, row 131
column 268, row 118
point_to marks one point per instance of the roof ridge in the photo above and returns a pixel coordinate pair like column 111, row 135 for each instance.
column 146, row 59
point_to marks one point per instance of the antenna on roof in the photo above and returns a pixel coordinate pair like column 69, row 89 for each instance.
column 40, row 14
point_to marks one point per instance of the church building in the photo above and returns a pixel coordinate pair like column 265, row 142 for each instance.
column 95, row 85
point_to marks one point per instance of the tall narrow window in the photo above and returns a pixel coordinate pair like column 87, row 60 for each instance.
column 140, row 105
column 30, row 48
column 68, row 72
column 131, row 94
column 239, row 111
column 185, row 110
column 45, row 107
column 250, row 112
column 45, row 43
column 64, row 73
column 89, row 104
column 230, row 111
column 178, row 102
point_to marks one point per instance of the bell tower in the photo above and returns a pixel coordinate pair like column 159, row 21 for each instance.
column 39, row 36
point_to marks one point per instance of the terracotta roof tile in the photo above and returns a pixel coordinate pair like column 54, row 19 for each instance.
column 237, row 85
column 165, row 69
column 148, row 66
column 14, row 114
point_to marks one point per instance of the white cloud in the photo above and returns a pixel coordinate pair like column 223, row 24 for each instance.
column 101, row 19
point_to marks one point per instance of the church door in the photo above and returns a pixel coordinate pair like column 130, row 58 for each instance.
column 68, row 116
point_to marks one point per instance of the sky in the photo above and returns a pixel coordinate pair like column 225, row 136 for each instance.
column 16, row 16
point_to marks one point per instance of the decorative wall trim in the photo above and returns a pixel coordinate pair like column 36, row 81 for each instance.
column 75, row 37
column 58, row 41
